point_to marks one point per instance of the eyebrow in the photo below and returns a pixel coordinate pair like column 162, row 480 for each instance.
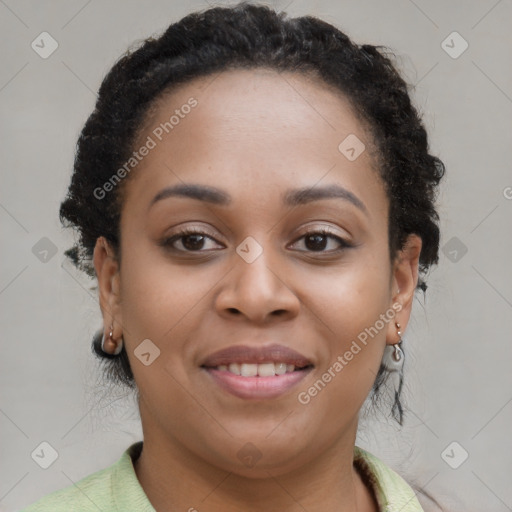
column 299, row 196
column 292, row 197
column 201, row 192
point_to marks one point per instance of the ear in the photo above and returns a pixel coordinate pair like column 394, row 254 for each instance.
column 404, row 280
column 107, row 272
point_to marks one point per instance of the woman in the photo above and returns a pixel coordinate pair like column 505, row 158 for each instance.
column 255, row 196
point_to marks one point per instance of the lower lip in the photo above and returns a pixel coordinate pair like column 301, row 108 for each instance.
column 257, row 387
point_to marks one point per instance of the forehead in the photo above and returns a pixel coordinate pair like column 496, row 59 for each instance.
column 253, row 103
column 258, row 130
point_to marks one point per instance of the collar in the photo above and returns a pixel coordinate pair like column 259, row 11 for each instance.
column 391, row 491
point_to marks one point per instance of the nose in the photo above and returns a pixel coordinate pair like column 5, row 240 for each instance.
column 258, row 291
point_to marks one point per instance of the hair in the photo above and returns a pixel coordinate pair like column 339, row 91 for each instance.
column 248, row 36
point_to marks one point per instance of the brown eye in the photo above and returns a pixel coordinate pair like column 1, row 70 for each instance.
column 318, row 241
column 193, row 242
column 190, row 239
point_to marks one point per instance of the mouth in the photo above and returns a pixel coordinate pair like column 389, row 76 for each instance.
column 269, row 369
column 261, row 372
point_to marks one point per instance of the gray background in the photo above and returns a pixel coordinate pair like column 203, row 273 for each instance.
column 459, row 383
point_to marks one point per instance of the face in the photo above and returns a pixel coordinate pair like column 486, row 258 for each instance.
column 284, row 260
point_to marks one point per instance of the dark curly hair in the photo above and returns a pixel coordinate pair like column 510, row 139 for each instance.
column 250, row 36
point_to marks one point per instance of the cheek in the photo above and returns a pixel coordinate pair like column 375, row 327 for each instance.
column 157, row 300
column 167, row 304
column 350, row 297
column 155, row 293
column 352, row 311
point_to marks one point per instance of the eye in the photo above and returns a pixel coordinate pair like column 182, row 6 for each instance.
column 195, row 239
column 318, row 240
column 191, row 240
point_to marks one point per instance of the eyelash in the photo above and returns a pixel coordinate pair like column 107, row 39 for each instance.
column 168, row 242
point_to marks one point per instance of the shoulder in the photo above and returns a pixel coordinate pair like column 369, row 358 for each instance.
column 108, row 490
column 392, row 492
column 91, row 493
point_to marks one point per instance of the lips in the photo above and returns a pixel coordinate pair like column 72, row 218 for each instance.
column 244, row 354
column 257, row 373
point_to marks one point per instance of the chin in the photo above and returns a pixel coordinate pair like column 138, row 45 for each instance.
column 259, row 459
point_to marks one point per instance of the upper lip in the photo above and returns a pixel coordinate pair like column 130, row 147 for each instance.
column 260, row 354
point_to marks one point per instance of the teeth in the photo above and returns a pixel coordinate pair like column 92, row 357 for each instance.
column 234, row 368
column 280, row 368
column 249, row 370
column 266, row 370
column 261, row 370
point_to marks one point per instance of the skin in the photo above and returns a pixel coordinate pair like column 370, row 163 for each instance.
column 255, row 134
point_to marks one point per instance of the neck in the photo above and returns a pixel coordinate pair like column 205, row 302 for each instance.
column 330, row 483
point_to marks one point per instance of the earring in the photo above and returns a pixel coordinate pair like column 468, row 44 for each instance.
column 393, row 362
column 393, row 358
column 119, row 345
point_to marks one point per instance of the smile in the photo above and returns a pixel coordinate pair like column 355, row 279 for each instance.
column 253, row 370
column 256, row 372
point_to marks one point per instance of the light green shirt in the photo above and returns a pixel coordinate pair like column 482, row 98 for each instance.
column 117, row 489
